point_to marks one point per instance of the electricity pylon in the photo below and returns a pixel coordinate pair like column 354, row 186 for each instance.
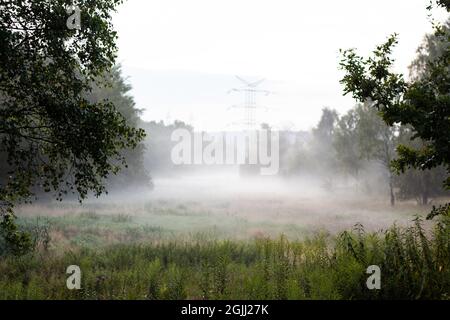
column 250, row 91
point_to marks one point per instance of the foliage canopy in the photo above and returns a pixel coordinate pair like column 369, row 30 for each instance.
column 423, row 103
column 52, row 135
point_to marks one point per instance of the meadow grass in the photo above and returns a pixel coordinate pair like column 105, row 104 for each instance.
column 153, row 263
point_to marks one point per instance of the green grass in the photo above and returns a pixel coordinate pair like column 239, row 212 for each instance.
column 122, row 259
column 93, row 230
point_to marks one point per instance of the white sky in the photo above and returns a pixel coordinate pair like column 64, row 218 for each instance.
column 181, row 56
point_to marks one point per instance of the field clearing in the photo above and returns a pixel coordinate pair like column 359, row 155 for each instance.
column 170, row 212
column 238, row 243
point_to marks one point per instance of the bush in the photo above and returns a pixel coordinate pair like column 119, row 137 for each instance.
column 415, row 264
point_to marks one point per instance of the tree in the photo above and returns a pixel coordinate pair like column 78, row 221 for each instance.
column 418, row 184
column 423, row 103
column 346, row 143
column 325, row 127
column 159, row 145
column 361, row 134
column 431, row 49
column 112, row 87
column 322, row 146
column 51, row 134
column 377, row 141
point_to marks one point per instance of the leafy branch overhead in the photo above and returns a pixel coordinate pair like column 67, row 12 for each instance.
column 52, row 136
column 423, row 103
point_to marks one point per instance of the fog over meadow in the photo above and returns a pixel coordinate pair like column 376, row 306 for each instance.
column 329, row 166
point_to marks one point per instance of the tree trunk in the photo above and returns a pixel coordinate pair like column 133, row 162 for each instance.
column 425, row 187
column 425, row 198
column 391, row 189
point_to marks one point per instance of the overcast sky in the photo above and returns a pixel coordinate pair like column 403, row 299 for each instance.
column 181, row 55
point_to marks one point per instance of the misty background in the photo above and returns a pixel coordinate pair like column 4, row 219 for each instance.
column 178, row 69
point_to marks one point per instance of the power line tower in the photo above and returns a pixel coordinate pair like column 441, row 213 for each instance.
column 250, row 91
